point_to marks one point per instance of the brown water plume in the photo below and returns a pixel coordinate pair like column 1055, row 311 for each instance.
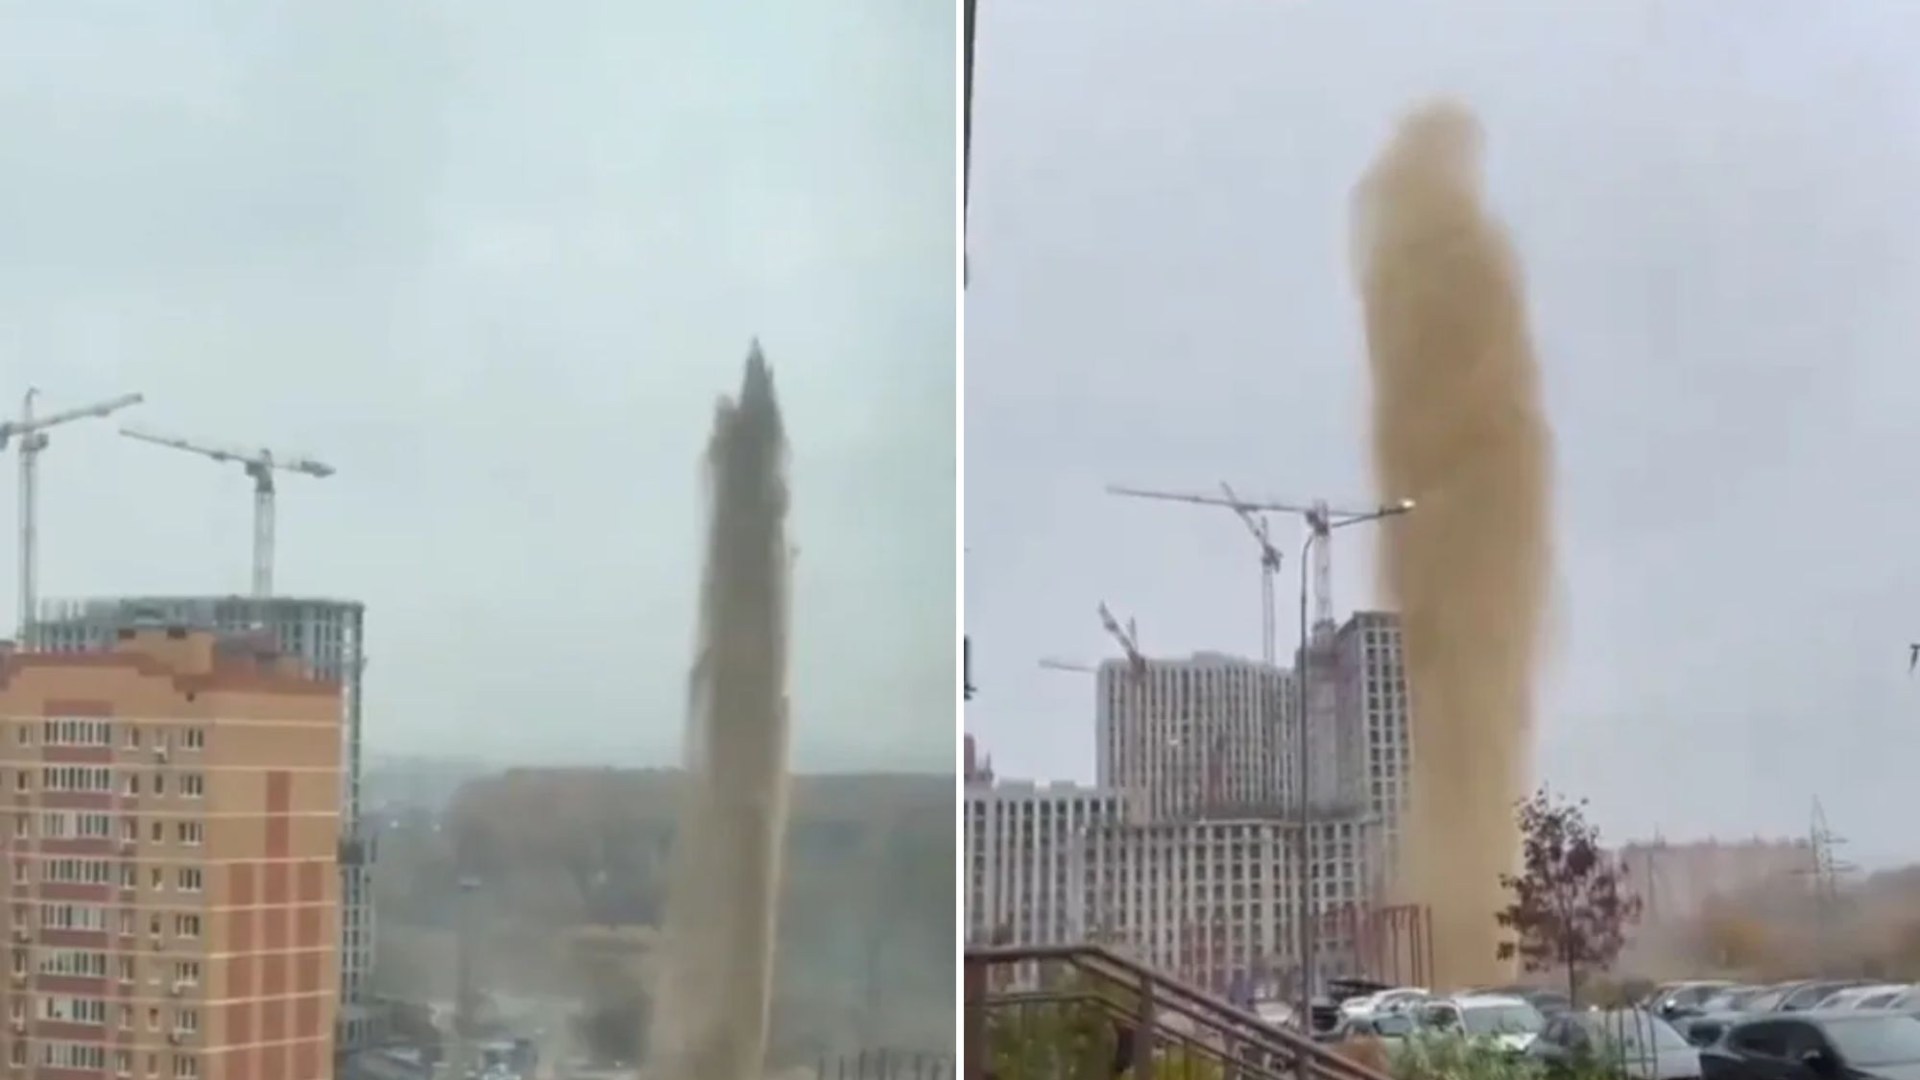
column 713, row 990
column 1458, row 425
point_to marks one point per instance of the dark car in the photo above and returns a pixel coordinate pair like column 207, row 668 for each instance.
column 1631, row 1042
column 1731, row 999
column 1684, row 998
column 1706, row 1029
column 1817, row 1045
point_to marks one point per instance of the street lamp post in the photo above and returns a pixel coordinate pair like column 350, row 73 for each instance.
column 1320, row 526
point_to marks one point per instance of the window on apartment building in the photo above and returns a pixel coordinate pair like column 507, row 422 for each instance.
column 22, row 780
column 126, row 922
column 130, row 784
column 159, row 783
column 186, row 1068
column 186, row 926
column 125, row 965
column 22, row 826
column 23, row 735
column 129, row 876
column 192, row 833
column 193, row 738
column 153, row 1018
column 187, row 1020
column 157, row 832
column 193, row 785
column 123, row 1062
column 187, row 972
column 17, row 1054
column 132, row 737
column 129, row 829
column 190, row 879
column 126, row 1018
column 156, row 879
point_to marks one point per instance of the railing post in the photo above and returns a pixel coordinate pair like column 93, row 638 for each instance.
column 1144, row 1032
column 973, row 1045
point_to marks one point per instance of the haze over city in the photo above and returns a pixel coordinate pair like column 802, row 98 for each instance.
column 462, row 254
column 1710, row 215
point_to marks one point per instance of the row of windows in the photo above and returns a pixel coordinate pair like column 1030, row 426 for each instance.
column 188, row 879
column 93, row 1056
column 86, row 963
column 84, row 731
column 100, row 779
column 93, row 964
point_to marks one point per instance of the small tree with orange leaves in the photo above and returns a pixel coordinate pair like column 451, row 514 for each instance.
column 1570, row 908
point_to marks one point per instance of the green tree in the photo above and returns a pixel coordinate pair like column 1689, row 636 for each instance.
column 1570, row 907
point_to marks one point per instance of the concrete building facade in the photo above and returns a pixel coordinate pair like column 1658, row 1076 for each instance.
column 1018, row 845
column 1201, row 736
column 1373, row 716
column 1209, row 899
column 171, row 860
column 328, row 637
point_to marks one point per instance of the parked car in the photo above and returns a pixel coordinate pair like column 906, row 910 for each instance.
column 1730, row 999
column 1549, row 1002
column 1817, row 1045
column 1636, row 1043
column 1385, row 1001
column 1507, row 1021
column 1870, row 996
column 1389, row 1027
column 1799, row 995
column 1706, row 1029
column 1683, row 998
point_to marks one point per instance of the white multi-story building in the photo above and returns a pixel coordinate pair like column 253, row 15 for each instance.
column 328, row 638
column 1019, row 843
column 1209, row 899
column 1202, row 736
column 1373, row 705
column 1213, row 900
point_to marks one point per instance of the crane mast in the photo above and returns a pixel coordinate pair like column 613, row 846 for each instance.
column 259, row 465
column 31, row 431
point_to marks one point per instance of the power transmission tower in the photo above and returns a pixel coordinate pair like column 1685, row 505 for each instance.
column 1827, row 870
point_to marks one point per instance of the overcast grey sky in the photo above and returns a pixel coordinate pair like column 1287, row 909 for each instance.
column 495, row 262
column 1717, row 207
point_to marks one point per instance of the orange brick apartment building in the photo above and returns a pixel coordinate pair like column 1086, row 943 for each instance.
column 170, row 862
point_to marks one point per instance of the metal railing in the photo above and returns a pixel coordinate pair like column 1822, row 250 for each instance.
column 886, row 1065
column 1083, row 1012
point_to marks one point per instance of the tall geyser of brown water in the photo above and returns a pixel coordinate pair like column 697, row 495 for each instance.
column 1457, row 425
column 713, row 989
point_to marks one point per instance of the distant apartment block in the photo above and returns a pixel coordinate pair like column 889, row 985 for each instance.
column 1679, row 882
column 328, row 638
column 173, row 892
column 1018, row 845
column 1206, row 735
column 1211, row 899
column 1374, row 719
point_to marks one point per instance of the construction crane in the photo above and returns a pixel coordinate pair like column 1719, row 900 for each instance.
column 1129, row 640
column 1320, row 517
column 31, row 430
column 260, row 465
column 1052, row 664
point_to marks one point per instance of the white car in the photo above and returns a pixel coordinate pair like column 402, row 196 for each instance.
column 1507, row 1022
column 1400, row 999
